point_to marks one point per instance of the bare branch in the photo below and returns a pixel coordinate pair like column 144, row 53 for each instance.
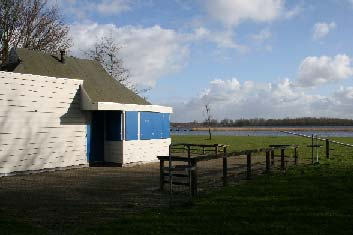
column 107, row 53
column 208, row 119
column 31, row 24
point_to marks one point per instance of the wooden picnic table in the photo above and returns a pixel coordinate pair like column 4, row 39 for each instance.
column 192, row 161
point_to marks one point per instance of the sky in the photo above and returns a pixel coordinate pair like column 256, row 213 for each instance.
column 244, row 58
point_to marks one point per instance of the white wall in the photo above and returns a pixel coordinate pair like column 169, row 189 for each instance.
column 145, row 150
column 41, row 124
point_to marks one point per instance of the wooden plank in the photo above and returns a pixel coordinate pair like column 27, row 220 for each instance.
column 282, row 160
column 177, row 175
column 268, row 163
column 295, row 156
column 161, row 174
column 194, row 182
column 176, row 183
column 248, row 166
column 272, row 158
column 225, row 167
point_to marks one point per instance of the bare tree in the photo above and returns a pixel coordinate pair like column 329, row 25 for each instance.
column 208, row 119
column 107, row 52
column 31, row 24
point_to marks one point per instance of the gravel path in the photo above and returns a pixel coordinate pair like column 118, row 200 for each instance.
column 89, row 196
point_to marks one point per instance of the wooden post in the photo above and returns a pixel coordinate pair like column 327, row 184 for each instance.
column 194, row 177
column 161, row 174
column 203, row 150
column 189, row 153
column 272, row 157
column 190, row 172
column 327, row 148
column 248, row 166
column 282, row 159
column 295, row 156
column 268, row 164
column 225, row 167
column 312, row 148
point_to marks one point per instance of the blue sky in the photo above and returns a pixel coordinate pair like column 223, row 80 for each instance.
column 245, row 58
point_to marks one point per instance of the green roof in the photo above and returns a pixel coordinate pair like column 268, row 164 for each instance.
column 98, row 84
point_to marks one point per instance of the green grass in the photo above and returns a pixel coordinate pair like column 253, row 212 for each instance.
column 250, row 142
column 308, row 199
column 311, row 199
column 16, row 226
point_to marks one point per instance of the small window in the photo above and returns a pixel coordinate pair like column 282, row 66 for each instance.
column 131, row 125
column 154, row 125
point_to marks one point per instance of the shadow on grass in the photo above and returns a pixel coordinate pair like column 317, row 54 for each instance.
column 14, row 226
column 307, row 200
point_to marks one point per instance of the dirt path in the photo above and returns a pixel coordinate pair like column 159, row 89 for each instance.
column 89, row 196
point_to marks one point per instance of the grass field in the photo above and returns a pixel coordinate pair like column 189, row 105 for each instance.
column 314, row 199
column 251, row 142
column 308, row 199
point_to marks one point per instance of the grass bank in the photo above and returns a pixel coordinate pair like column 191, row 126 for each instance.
column 269, row 128
column 237, row 143
column 309, row 199
column 306, row 200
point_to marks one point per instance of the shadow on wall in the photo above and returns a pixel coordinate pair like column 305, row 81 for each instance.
column 39, row 128
column 74, row 115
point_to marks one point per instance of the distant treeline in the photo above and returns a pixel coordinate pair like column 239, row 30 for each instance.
column 304, row 121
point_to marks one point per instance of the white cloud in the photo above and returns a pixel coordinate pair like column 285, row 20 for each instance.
column 293, row 12
column 149, row 53
column 84, row 9
column 233, row 12
column 263, row 35
column 315, row 71
column 113, row 6
column 322, row 29
column 223, row 39
column 232, row 99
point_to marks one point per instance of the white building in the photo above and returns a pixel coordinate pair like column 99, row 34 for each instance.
column 58, row 112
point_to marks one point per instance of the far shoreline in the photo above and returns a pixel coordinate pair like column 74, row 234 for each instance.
column 331, row 128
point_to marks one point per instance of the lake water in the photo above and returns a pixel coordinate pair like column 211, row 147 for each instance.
column 264, row 133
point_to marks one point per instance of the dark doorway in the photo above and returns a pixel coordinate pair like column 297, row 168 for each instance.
column 96, row 145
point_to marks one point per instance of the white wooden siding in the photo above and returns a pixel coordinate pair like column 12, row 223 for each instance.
column 144, row 150
column 41, row 124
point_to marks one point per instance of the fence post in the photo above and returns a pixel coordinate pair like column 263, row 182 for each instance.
column 272, row 157
column 248, row 166
column 161, row 174
column 194, row 177
column 295, row 156
column 282, row 159
column 327, row 148
column 312, row 149
column 268, row 164
column 189, row 152
column 225, row 167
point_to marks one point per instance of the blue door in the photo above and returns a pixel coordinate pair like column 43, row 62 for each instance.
column 96, row 138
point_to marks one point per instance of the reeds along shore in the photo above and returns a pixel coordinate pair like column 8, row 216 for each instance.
column 273, row 129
